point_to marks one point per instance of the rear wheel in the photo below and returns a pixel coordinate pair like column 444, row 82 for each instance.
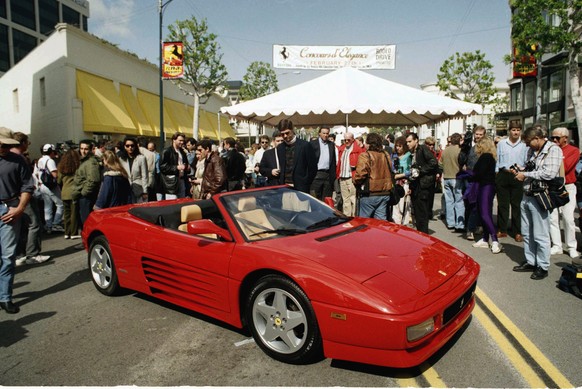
column 282, row 321
column 102, row 267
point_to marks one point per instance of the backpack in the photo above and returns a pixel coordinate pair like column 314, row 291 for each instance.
column 571, row 280
column 47, row 178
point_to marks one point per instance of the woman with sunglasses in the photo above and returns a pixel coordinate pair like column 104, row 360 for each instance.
column 135, row 165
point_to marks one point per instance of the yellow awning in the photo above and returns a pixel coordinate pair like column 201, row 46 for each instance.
column 138, row 117
column 150, row 105
column 103, row 109
column 180, row 116
column 225, row 128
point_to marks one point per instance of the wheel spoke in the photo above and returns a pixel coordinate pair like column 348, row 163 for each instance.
column 280, row 302
column 266, row 311
column 289, row 338
column 294, row 319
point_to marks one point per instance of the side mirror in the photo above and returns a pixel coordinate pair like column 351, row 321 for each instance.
column 206, row 227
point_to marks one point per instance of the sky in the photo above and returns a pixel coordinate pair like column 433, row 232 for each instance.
column 425, row 32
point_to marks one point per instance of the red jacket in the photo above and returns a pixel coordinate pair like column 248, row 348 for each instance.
column 356, row 151
column 571, row 157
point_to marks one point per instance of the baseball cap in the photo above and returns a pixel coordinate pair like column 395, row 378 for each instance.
column 6, row 137
column 48, row 148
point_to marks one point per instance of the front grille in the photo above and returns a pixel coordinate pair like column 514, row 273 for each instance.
column 458, row 305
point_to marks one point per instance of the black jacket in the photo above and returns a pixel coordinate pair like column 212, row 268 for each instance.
column 427, row 166
column 169, row 169
column 304, row 165
column 268, row 163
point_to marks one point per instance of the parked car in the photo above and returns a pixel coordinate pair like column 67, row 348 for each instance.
column 307, row 281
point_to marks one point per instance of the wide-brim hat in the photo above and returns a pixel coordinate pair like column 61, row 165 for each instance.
column 6, row 137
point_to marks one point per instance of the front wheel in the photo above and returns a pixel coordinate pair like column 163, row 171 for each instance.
column 102, row 268
column 282, row 321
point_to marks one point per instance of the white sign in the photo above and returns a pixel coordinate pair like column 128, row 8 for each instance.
column 334, row 57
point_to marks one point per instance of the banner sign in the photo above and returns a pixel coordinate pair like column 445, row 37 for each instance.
column 524, row 65
column 334, row 57
column 173, row 64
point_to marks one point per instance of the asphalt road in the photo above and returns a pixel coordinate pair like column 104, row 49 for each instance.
column 523, row 333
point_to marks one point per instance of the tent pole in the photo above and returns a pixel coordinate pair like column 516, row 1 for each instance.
column 347, row 122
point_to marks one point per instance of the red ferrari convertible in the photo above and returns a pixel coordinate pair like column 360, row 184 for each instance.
column 307, row 281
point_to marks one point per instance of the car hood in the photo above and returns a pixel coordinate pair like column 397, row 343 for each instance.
column 363, row 249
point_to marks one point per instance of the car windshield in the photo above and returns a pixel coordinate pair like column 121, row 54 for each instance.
column 278, row 212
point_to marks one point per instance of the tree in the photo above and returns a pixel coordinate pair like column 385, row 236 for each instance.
column 203, row 69
column 554, row 26
column 259, row 80
column 469, row 75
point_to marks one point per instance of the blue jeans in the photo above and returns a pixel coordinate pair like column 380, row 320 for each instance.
column 454, row 205
column 535, row 229
column 9, row 234
column 49, row 197
column 374, row 206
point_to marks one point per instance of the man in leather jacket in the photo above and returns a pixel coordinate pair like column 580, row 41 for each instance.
column 174, row 168
column 214, row 178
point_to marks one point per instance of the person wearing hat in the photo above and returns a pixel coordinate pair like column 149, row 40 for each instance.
column 16, row 187
column 51, row 194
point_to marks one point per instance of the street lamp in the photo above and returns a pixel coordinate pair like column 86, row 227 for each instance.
column 161, row 6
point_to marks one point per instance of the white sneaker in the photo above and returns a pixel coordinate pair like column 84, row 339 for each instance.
column 555, row 250
column 75, row 236
column 495, row 248
column 574, row 253
column 20, row 261
column 470, row 236
column 481, row 244
column 67, row 236
column 37, row 259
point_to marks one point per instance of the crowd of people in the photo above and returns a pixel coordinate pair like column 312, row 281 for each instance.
column 391, row 178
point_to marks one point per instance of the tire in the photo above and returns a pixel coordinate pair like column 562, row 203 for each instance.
column 282, row 321
column 102, row 267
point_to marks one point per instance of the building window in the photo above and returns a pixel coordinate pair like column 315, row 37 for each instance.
column 3, row 11
column 23, row 44
column 71, row 16
column 556, row 86
column 48, row 13
column 516, row 98
column 554, row 118
column 15, row 105
column 85, row 22
column 42, row 92
column 545, row 90
column 23, row 13
column 529, row 98
column 4, row 53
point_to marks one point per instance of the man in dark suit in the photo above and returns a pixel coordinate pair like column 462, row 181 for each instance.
column 296, row 157
column 269, row 167
column 322, row 185
column 422, row 180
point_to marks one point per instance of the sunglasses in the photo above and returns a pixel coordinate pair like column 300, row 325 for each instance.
column 128, row 146
column 556, row 137
column 264, row 143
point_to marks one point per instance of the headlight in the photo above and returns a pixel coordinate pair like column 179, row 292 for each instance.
column 418, row 331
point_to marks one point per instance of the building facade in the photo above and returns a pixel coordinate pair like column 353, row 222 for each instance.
column 75, row 86
column 24, row 24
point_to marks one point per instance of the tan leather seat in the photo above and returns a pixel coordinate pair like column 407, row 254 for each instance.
column 251, row 219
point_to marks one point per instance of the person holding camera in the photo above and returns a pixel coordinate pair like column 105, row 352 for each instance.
column 543, row 164
column 422, row 181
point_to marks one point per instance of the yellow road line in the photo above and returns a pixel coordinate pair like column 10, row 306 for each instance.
column 407, row 382
column 512, row 354
column 533, row 351
column 432, row 376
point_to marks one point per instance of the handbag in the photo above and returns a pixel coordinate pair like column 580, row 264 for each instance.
column 550, row 194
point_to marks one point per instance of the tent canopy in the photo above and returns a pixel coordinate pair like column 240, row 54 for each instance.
column 351, row 96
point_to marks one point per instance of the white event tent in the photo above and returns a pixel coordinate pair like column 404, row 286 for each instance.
column 349, row 96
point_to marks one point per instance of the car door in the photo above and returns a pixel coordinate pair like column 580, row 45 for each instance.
column 187, row 270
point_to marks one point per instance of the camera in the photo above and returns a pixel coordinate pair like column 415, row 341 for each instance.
column 530, row 166
column 414, row 173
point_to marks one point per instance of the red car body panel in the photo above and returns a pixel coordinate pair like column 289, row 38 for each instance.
column 367, row 280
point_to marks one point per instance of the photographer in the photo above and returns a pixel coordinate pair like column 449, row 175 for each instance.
column 543, row 164
column 422, row 181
